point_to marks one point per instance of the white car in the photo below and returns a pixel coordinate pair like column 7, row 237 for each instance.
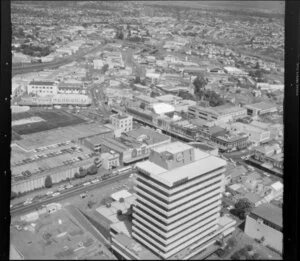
column 49, row 193
column 83, row 195
column 55, row 194
column 95, row 181
column 87, row 183
column 27, row 203
column 61, row 188
column 69, row 186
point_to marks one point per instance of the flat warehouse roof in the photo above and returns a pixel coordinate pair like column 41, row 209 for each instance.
column 173, row 147
column 261, row 106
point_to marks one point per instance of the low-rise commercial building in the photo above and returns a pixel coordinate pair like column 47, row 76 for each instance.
column 42, row 88
column 227, row 142
column 269, row 155
column 255, row 134
column 132, row 146
column 223, row 113
column 260, row 108
column 110, row 160
column 264, row 223
column 58, row 99
column 121, row 122
column 70, row 87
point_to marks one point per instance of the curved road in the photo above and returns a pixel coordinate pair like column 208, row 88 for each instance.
column 19, row 69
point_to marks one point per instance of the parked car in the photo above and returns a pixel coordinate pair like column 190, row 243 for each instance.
column 61, row 188
column 49, row 193
column 27, row 203
column 95, row 181
column 69, row 186
column 55, row 194
column 83, row 195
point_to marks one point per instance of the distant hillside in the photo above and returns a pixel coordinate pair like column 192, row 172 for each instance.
column 243, row 6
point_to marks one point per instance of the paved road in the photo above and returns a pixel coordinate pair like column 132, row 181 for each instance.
column 19, row 69
column 15, row 211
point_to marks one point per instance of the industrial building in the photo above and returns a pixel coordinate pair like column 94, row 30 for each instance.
column 179, row 191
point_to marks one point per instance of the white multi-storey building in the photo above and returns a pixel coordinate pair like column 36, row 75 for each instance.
column 121, row 122
column 42, row 88
column 179, row 191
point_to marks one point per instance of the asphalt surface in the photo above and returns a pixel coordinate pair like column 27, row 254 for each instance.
column 19, row 69
column 15, row 211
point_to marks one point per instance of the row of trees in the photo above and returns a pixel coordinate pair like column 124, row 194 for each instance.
column 92, row 170
column 246, row 253
column 212, row 97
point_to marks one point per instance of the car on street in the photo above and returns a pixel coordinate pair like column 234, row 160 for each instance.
column 86, row 183
column 61, row 188
column 27, row 203
column 69, row 186
column 49, row 193
column 55, row 194
column 95, row 181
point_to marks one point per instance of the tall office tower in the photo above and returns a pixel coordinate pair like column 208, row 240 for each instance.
column 179, row 191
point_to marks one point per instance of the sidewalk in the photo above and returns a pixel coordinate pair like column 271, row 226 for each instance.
column 43, row 191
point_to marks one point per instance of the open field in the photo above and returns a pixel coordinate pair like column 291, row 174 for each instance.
column 52, row 119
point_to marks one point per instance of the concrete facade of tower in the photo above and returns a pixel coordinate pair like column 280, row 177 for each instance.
column 179, row 191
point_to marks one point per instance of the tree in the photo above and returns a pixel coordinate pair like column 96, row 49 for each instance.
column 249, row 248
column 90, row 204
column 232, row 242
column 186, row 95
column 76, row 175
column 143, row 106
column 243, row 207
column 119, row 212
column 199, row 84
column 13, row 195
column 48, row 182
column 92, row 170
column 82, row 172
column 255, row 256
column 121, row 200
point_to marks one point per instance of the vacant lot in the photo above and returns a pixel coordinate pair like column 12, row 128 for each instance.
column 53, row 119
